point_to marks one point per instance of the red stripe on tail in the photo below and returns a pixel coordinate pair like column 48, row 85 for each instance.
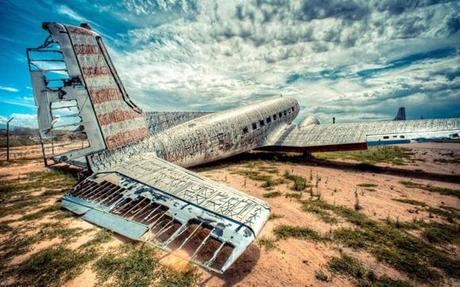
column 123, row 138
column 117, row 116
column 105, row 95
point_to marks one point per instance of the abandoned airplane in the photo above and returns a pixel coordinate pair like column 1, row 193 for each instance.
column 138, row 185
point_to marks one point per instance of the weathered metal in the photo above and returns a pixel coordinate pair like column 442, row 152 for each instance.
column 139, row 187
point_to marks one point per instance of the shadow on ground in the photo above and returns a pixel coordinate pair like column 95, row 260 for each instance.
column 239, row 270
column 308, row 160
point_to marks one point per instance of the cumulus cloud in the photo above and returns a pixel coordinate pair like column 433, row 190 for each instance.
column 352, row 59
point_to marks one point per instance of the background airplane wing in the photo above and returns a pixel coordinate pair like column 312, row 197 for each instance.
column 352, row 136
column 146, row 198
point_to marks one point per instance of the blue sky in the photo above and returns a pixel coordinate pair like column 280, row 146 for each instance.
column 355, row 60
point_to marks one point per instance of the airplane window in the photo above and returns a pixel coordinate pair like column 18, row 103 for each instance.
column 292, row 108
column 274, row 117
column 280, row 114
column 402, row 137
column 254, row 126
column 245, row 130
column 269, row 120
column 386, row 137
column 262, row 123
column 284, row 113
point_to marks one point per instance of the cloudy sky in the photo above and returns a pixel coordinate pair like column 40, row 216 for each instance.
column 355, row 60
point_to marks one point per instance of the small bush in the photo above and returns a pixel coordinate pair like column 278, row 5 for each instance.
column 286, row 231
column 347, row 265
column 442, row 233
column 367, row 185
column 410, row 201
column 271, row 194
column 274, row 216
column 300, row 183
column 351, row 267
column 321, row 276
column 267, row 243
column 319, row 208
column 440, row 190
column 293, row 195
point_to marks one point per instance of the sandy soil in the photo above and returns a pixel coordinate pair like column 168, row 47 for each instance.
column 294, row 262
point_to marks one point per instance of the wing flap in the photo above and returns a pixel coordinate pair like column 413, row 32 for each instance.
column 148, row 199
column 120, row 225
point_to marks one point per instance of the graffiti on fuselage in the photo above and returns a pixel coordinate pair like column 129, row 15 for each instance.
column 223, row 134
column 160, row 121
column 211, row 137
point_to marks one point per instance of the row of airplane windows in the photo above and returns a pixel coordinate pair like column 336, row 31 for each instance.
column 269, row 119
column 387, row 137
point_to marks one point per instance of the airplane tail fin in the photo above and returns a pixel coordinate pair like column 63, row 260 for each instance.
column 77, row 89
column 401, row 114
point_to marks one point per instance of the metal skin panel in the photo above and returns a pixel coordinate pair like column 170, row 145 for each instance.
column 73, row 90
column 146, row 210
column 160, row 121
column 139, row 187
column 194, row 189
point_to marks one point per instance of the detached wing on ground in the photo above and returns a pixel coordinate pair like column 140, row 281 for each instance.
column 146, row 198
column 353, row 136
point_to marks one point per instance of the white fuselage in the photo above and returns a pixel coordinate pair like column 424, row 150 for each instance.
column 223, row 134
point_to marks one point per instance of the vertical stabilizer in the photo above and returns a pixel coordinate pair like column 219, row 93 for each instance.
column 401, row 115
column 73, row 69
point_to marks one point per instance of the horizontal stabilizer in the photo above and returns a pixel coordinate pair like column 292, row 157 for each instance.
column 162, row 204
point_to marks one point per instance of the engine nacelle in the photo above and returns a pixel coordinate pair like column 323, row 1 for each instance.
column 308, row 121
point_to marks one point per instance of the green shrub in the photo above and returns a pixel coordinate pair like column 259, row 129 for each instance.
column 286, row 231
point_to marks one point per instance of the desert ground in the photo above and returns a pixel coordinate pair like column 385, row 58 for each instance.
column 383, row 217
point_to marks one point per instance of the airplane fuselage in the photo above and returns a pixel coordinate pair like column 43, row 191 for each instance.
column 223, row 134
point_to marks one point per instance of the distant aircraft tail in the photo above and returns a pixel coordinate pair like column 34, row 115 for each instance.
column 401, row 114
column 72, row 72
